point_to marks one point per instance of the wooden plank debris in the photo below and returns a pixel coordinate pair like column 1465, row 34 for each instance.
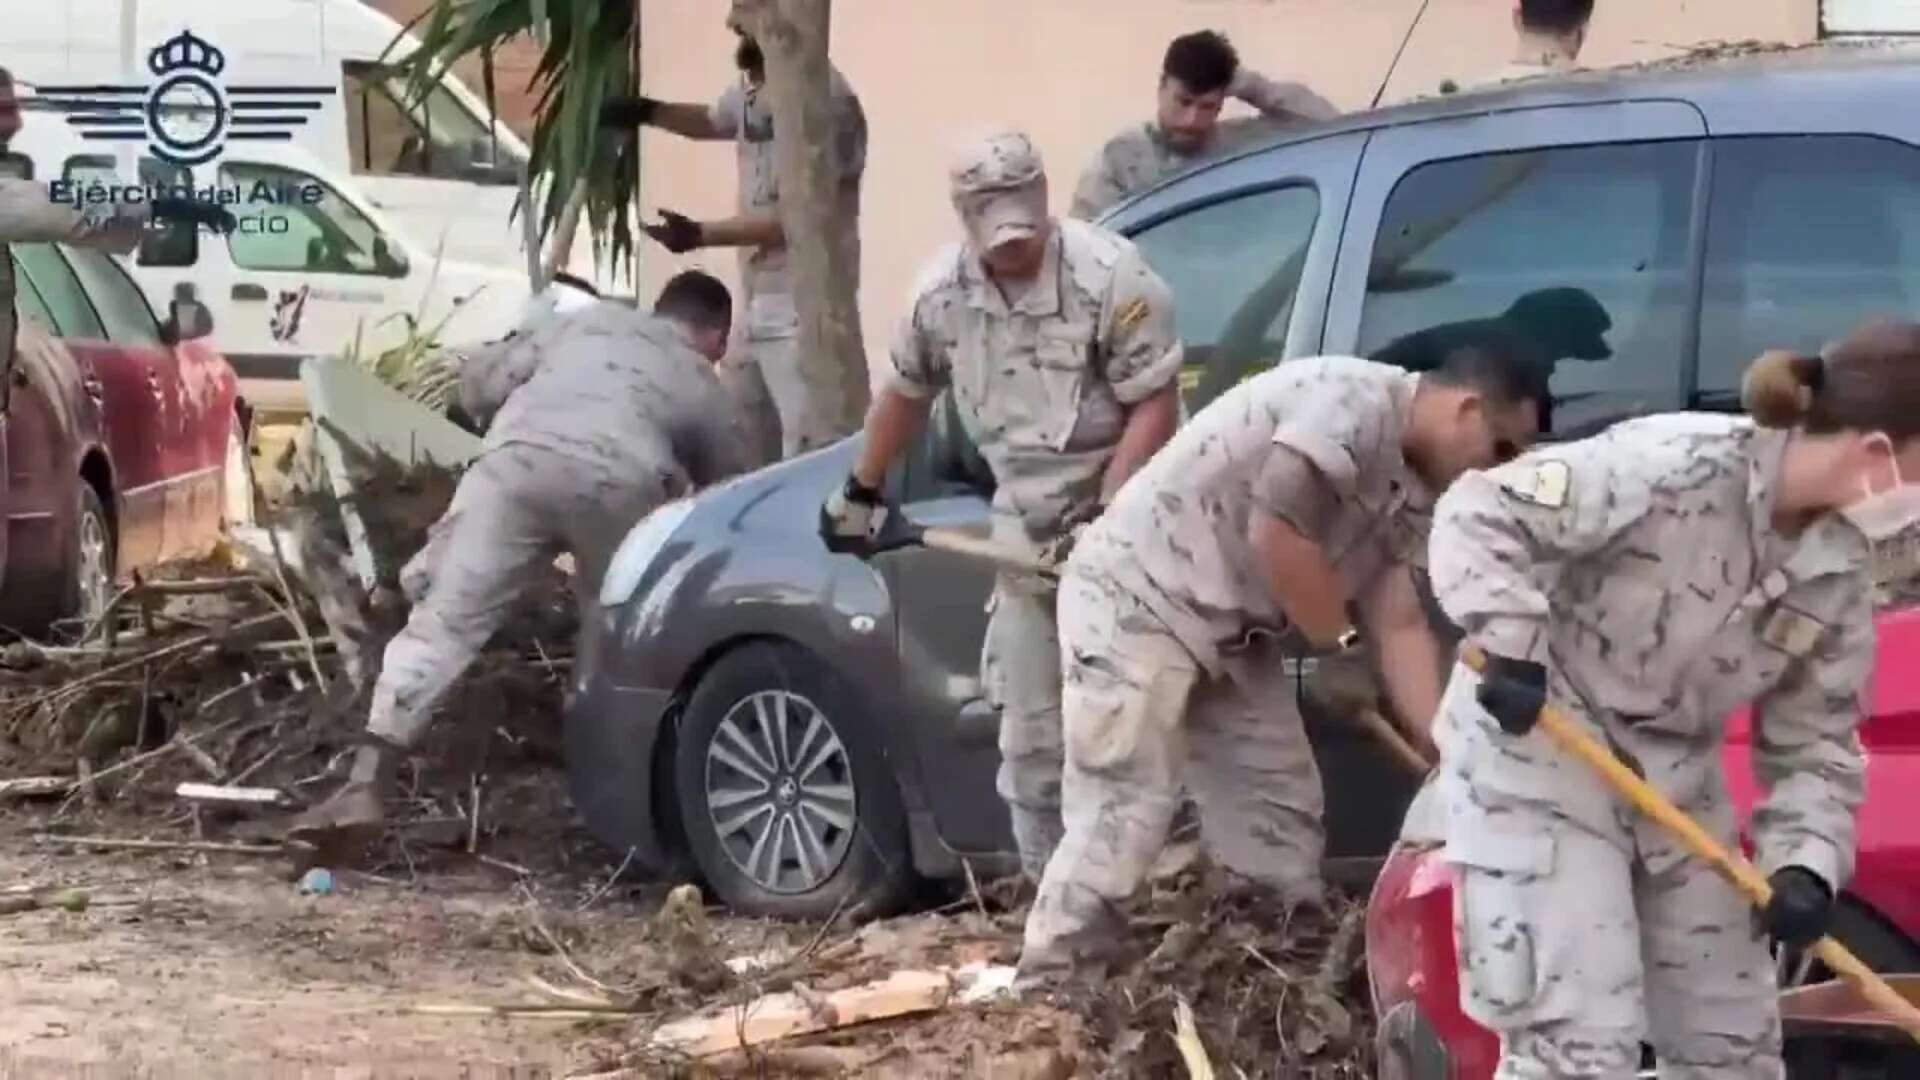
column 228, row 794
column 27, row 787
column 779, row 1016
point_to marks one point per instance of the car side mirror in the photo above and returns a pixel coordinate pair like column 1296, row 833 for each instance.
column 187, row 320
column 385, row 261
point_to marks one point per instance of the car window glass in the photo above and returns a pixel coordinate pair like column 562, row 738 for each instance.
column 437, row 137
column 27, row 299
column 1583, row 250
column 73, row 315
column 121, row 306
column 283, row 228
column 1807, row 237
column 16, row 166
column 1234, row 267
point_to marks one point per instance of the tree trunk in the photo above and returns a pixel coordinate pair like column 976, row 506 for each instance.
column 833, row 360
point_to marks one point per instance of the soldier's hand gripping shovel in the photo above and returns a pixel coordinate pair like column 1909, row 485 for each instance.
column 1730, row 865
column 897, row 532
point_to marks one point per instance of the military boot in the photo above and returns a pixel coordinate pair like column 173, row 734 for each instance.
column 352, row 816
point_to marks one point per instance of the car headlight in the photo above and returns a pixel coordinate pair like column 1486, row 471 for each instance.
column 636, row 552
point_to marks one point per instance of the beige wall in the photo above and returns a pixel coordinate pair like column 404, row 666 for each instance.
column 1072, row 72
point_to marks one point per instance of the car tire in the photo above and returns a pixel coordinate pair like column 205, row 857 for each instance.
column 91, row 559
column 790, row 807
column 1407, row 1048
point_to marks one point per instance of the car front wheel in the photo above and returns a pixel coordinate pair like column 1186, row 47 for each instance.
column 91, row 562
column 790, row 808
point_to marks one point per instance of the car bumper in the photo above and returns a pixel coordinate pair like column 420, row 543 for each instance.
column 611, row 735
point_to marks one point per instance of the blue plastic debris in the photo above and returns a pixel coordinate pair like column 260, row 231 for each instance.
column 316, row 882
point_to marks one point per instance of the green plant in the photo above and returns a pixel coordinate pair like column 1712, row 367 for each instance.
column 419, row 366
column 589, row 53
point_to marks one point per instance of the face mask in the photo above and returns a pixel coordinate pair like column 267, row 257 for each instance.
column 1886, row 514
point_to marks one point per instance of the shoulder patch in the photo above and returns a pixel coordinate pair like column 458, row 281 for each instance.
column 1547, row 484
column 1132, row 315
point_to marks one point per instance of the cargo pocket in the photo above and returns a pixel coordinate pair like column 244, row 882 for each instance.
column 1121, row 719
column 1499, row 892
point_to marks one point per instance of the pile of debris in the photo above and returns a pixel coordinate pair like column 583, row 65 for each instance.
column 222, row 689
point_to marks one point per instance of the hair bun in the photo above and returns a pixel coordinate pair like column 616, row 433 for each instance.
column 1778, row 389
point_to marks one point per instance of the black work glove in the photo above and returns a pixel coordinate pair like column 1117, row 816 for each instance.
column 676, row 232
column 1801, row 907
column 212, row 215
column 851, row 518
column 1514, row 692
column 628, row 112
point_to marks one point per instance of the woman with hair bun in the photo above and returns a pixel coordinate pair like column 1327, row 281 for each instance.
column 1649, row 581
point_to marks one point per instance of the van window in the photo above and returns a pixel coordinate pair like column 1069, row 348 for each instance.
column 1808, row 236
column 1582, row 248
column 125, row 312
column 298, row 236
column 1234, row 267
column 67, row 304
column 437, row 138
column 16, row 166
column 173, row 243
column 27, row 298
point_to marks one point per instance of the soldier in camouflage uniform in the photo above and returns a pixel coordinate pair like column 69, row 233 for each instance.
column 1197, row 76
column 28, row 213
column 1649, row 581
column 762, row 370
column 1287, row 505
column 613, row 412
column 1057, row 342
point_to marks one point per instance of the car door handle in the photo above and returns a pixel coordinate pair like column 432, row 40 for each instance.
column 245, row 291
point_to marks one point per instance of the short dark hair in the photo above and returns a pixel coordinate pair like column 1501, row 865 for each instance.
column 1203, row 61
column 1555, row 16
column 1504, row 366
column 698, row 298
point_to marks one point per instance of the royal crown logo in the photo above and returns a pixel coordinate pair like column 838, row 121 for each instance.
column 185, row 52
column 188, row 115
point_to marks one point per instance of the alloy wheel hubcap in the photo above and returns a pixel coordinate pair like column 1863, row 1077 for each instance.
column 96, row 584
column 780, row 792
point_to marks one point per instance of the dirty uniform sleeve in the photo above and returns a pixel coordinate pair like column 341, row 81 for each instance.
column 1292, row 489
column 1806, row 748
column 491, row 372
column 717, row 442
column 728, row 113
column 1281, row 100
column 1501, row 536
column 921, row 367
column 1099, row 187
column 1338, row 427
column 1142, row 354
column 28, row 213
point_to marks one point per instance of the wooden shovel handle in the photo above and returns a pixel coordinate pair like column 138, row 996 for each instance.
column 1731, row 865
column 961, row 542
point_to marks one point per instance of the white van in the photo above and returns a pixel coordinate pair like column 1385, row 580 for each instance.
column 442, row 174
column 358, row 252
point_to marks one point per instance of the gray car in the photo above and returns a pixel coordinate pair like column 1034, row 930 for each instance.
column 807, row 730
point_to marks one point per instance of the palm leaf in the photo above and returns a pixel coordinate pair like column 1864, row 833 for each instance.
column 587, row 56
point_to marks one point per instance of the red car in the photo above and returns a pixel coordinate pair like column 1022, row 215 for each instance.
column 1410, row 951
column 124, row 437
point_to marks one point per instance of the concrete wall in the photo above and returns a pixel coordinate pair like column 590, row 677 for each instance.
column 1072, row 72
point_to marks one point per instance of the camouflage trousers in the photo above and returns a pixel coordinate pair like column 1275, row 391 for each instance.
column 1140, row 718
column 1020, row 674
column 763, row 376
column 1583, row 928
column 516, row 509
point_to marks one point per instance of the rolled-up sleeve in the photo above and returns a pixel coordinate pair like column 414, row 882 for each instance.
column 1291, row 488
column 728, row 112
column 1143, row 355
column 1806, row 747
column 28, row 213
column 920, row 367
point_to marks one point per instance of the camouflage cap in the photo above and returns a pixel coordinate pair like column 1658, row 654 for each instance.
column 1000, row 161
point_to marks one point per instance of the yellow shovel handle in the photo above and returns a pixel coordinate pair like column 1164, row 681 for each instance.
column 1731, row 865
